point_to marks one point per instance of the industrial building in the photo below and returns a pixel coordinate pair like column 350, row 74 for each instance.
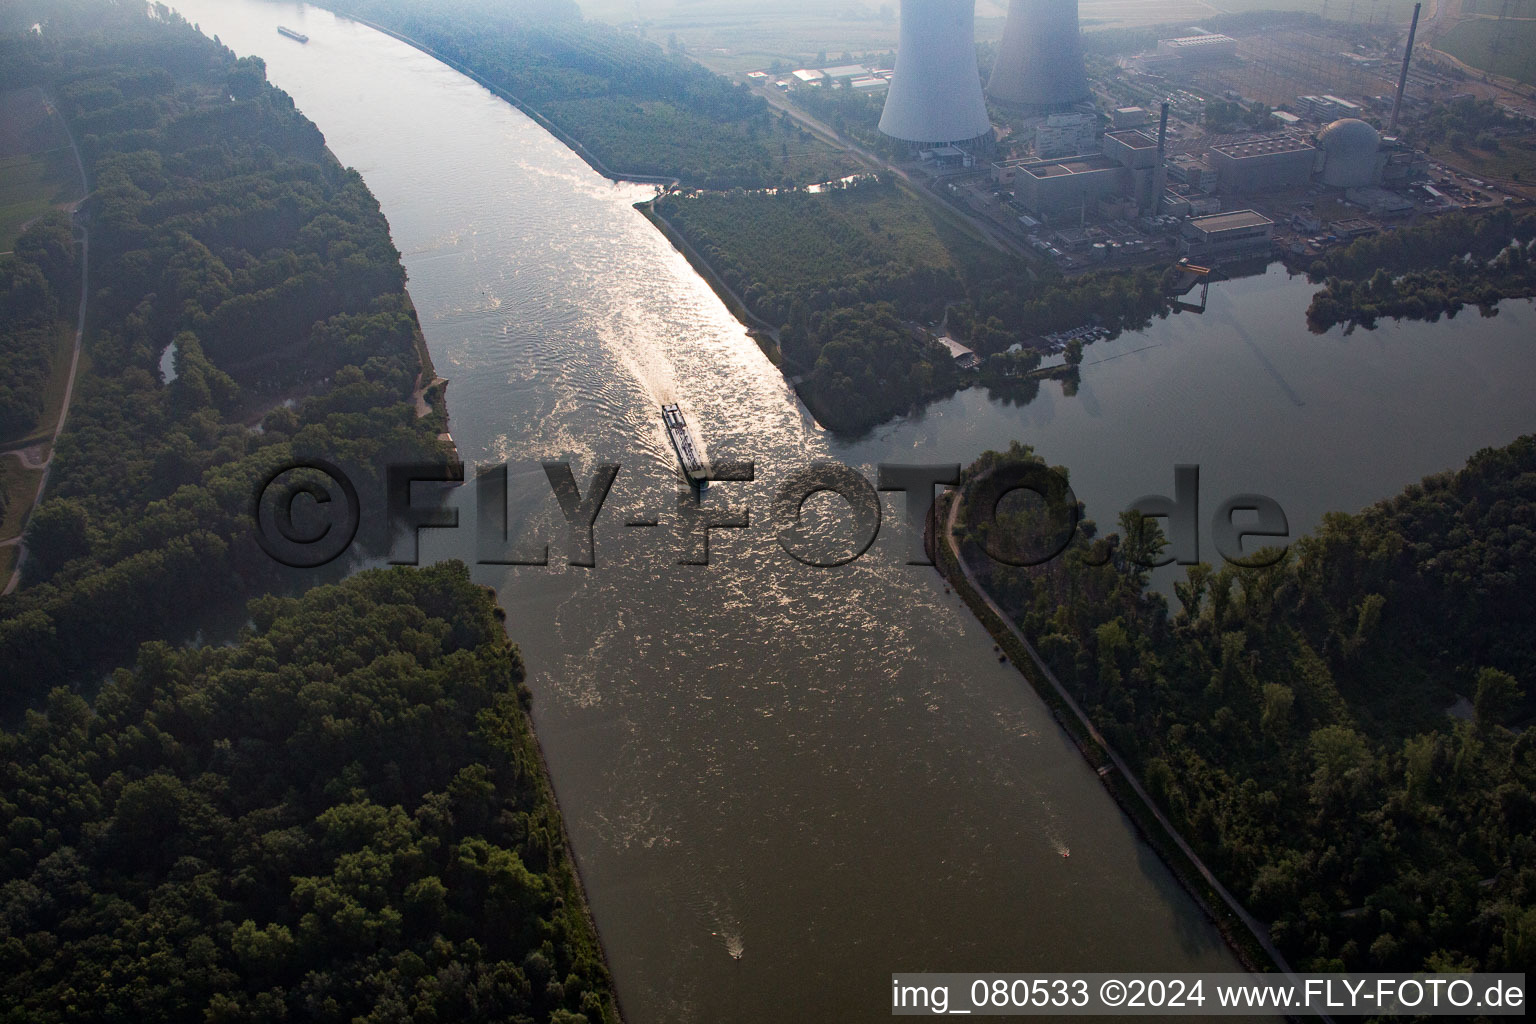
column 1202, row 48
column 1404, row 164
column 1130, row 117
column 1067, row 135
column 1183, row 201
column 1129, row 170
column 1264, row 163
column 1232, row 234
column 1140, row 155
column 1040, row 59
column 935, row 92
column 1325, row 108
column 1352, row 156
column 1048, row 186
column 1194, row 171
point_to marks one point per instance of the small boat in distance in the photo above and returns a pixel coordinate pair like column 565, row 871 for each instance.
column 283, row 30
column 685, row 445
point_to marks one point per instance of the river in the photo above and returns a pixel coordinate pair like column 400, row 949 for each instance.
column 783, row 783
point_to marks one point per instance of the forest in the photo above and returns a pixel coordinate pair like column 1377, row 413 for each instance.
column 39, row 288
column 1344, row 736
column 230, row 794
column 1423, row 272
column 219, row 222
column 636, row 107
column 341, row 816
column 818, row 263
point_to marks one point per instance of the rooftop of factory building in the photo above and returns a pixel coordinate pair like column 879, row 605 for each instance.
column 1073, row 165
column 1134, row 139
column 1263, row 145
column 1232, row 220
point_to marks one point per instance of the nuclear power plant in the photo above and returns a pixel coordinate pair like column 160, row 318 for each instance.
column 935, row 94
column 1040, row 62
column 1195, row 150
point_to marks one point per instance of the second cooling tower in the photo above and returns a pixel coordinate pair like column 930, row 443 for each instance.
column 935, row 91
column 1040, row 62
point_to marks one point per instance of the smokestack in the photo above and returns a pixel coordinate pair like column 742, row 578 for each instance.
column 935, row 93
column 1162, row 131
column 1040, row 61
column 1402, row 78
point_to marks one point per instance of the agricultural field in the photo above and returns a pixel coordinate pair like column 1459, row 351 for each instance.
column 733, row 36
column 1514, row 160
column 1505, row 48
column 37, row 169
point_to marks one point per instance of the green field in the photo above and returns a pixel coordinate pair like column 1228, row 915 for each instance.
column 1515, row 159
column 31, row 185
column 37, row 169
column 1473, row 42
column 19, row 485
column 732, row 36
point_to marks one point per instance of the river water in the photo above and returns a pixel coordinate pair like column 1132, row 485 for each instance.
column 784, row 783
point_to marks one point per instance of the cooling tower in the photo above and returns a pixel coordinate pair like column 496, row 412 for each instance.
column 935, row 93
column 1040, row 61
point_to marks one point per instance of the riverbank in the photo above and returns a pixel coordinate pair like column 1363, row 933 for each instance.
column 571, row 142
column 762, row 332
column 1245, row 936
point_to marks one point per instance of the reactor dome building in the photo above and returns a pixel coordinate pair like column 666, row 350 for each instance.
column 1352, row 156
column 1040, row 61
column 935, row 95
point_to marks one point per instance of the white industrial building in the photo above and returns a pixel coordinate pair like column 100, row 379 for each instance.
column 1130, row 117
column 1264, row 163
column 1352, row 155
column 1067, row 135
column 1209, row 47
column 1130, row 166
column 1194, row 171
column 1232, row 234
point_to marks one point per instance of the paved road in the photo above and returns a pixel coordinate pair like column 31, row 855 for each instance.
column 873, row 161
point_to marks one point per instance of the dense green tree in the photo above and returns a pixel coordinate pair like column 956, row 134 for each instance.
column 220, row 225
column 341, row 816
column 1295, row 721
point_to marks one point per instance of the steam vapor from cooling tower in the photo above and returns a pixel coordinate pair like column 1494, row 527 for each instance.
column 935, row 93
column 1040, row 61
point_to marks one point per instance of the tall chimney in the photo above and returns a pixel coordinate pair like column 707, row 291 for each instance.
column 1402, row 78
column 1162, row 131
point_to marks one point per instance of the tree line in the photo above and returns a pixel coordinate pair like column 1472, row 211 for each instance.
column 219, row 224
column 867, row 256
column 636, row 107
column 324, row 807
column 341, row 816
column 1344, row 735
column 1423, row 272
column 38, row 285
